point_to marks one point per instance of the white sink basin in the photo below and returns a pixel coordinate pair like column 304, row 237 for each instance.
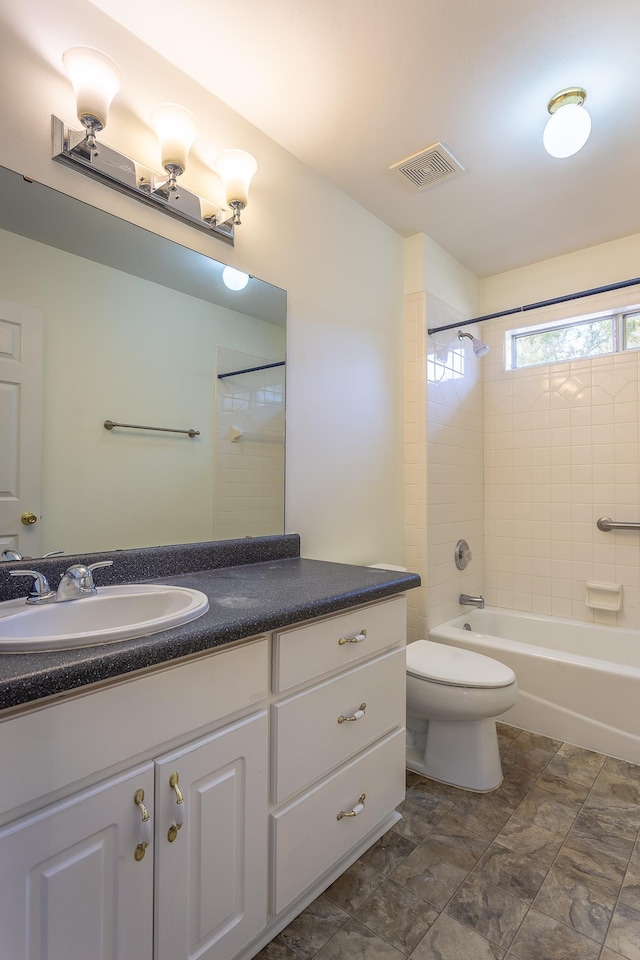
column 115, row 613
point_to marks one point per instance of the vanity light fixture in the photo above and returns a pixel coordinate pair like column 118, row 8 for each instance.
column 96, row 80
column 234, row 279
column 569, row 125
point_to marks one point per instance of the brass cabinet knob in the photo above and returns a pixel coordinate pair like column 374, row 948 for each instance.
column 28, row 518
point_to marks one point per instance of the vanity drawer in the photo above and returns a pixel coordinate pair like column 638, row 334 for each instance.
column 308, row 838
column 308, row 738
column 306, row 652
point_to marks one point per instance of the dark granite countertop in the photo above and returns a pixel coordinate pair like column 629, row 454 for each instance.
column 245, row 598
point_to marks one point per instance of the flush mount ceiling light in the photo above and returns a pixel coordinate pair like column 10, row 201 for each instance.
column 96, row 80
column 569, row 125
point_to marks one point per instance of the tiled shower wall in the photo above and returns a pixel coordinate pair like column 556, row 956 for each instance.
column 443, row 481
column 561, row 448
column 248, row 470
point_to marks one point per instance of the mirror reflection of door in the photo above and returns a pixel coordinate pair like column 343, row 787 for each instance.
column 20, row 426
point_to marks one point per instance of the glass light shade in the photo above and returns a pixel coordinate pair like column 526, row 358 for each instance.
column 95, row 79
column 567, row 130
column 235, row 168
column 234, row 279
column 176, row 128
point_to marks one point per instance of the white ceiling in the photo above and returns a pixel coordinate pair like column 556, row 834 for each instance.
column 352, row 86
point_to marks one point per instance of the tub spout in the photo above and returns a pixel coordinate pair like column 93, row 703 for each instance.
column 468, row 601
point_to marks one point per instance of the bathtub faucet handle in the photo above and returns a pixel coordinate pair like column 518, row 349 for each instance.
column 466, row 601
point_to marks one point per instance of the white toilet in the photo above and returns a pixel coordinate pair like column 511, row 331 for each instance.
column 453, row 696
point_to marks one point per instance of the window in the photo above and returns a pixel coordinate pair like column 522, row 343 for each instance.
column 584, row 337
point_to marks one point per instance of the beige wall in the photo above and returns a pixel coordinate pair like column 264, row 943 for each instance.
column 343, row 269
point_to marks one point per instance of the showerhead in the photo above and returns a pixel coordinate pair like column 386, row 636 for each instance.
column 479, row 348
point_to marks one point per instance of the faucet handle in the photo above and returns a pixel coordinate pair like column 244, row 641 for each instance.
column 101, row 563
column 40, row 591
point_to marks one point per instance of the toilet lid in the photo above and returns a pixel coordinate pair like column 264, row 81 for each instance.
column 459, row 668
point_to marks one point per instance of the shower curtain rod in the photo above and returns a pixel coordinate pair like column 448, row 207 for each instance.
column 264, row 366
column 541, row 303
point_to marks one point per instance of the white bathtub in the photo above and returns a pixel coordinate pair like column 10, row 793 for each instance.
column 578, row 682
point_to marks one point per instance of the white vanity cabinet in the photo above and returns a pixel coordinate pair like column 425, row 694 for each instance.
column 267, row 767
column 338, row 742
column 70, row 885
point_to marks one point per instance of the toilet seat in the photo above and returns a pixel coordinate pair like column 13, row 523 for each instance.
column 453, row 666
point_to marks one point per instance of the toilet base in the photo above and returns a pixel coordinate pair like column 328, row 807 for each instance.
column 464, row 754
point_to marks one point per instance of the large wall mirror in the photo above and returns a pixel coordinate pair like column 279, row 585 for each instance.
column 137, row 330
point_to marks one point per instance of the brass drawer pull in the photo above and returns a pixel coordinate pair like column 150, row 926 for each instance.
column 145, row 821
column 178, row 810
column 358, row 715
column 357, row 810
column 359, row 637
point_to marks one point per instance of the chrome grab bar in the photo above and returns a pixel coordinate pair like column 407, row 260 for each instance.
column 110, row 424
column 605, row 524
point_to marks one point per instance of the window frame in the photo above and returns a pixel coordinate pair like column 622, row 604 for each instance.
column 619, row 336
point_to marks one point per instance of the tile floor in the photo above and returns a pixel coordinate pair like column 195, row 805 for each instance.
column 547, row 867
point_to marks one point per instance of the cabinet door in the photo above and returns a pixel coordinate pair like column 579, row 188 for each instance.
column 211, row 878
column 70, row 885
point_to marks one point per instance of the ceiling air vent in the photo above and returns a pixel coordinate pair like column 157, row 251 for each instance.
column 428, row 167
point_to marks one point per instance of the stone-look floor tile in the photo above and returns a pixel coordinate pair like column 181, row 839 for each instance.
column 630, row 892
column 398, row 915
column 607, row 805
column 520, row 769
column 429, row 877
column 416, row 822
column 547, row 810
column 567, row 898
column 530, row 840
column 357, row 942
column 453, row 842
column 506, row 732
column 623, row 768
column 542, row 938
column 610, row 836
column 433, row 795
column 528, row 741
column 481, row 813
column 351, row 889
column 411, row 778
column 603, row 874
column 312, row 928
column 561, row 787
column 520, row 876
column 624, row 932
column 609, row 955
column 510, row 792
column 577, row 764
column 449, row 940
column 276, row 950
column 388, row 852
column 489, row 911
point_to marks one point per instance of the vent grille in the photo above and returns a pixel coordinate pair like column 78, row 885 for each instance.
column 428, row 167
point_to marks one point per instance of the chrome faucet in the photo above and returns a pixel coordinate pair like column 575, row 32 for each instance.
column 75, row 584
column 468, row 601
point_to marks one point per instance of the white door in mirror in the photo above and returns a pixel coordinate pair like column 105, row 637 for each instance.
column 116, row 613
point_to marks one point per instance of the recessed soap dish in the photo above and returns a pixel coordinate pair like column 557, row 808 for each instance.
column 604, row 596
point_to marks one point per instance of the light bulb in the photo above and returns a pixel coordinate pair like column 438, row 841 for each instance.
column 176, row 128
column 235, row 168
column 95, row 79
column 234, row 279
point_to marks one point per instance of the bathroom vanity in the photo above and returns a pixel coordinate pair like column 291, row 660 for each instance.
column 189, row 793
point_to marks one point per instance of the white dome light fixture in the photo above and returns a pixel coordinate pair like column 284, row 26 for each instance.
column 235, row 279
column 569, row 125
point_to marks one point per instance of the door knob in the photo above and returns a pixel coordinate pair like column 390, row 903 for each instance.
column 28, row 518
